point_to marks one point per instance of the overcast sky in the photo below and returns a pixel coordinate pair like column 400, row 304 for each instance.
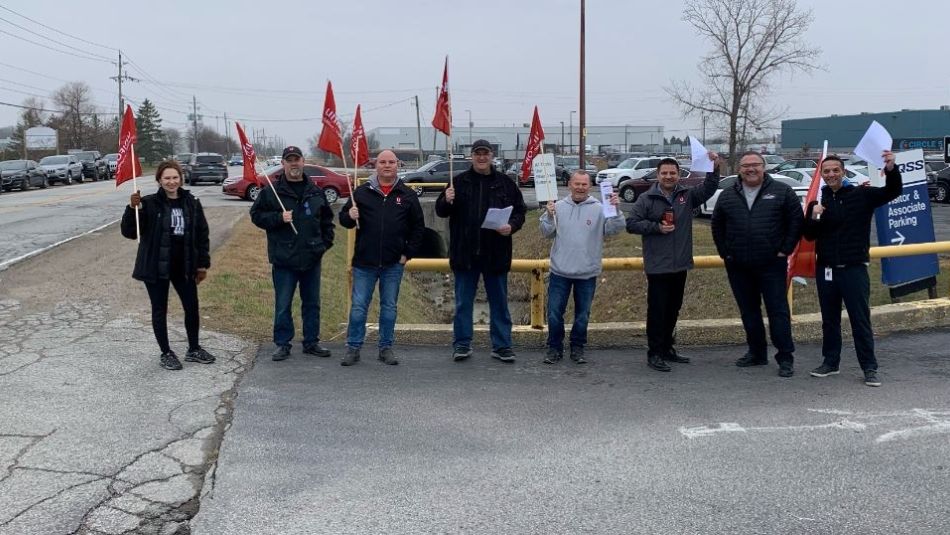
column 267, row 63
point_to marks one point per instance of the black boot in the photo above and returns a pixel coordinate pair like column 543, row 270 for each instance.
column 655, row 361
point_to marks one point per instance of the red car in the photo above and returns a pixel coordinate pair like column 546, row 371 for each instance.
column 334, row 184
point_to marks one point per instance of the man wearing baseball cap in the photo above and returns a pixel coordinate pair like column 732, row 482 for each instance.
column 476, row 252
column 299, row 224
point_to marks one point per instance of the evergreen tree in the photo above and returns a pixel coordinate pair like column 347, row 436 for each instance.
column 151, row 144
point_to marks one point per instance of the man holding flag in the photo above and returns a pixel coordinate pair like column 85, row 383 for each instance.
column 299, row 225
column 841, row 227
column 390, row 234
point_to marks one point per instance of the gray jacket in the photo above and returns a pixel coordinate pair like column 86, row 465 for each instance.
column 673, row 252
column 578, row 249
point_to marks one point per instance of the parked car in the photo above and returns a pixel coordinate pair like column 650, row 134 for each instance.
column 631, row 188
column 206, row 167
column 805, row 175
column 437, row 172
column 23, row 174
column 93, row 165
column 334, row 184
column 629, row 168
column 113, row 161
column 773, row 160
column 564, row 167
column 938, row 181
column 184, row 160
column 707, row 207
column 62, row 168
column 273, row 160
column 236, row 160
column 805, row 163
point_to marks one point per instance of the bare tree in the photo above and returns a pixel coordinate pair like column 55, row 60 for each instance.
column 173, row 138
column 74, row 102
column 753, row 40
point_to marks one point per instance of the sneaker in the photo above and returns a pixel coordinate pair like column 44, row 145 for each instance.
column 386, row 355
column 871, row 379
column 824, row 371
column 504, row 354
column 352, row 356
column 577, row 355
column 461, row 353
column 170, row 361
column 554, row 356
column 672, row 356
column 751, row 360
column 785, row 369
column 316, row 350
column 282, row 353
column 655, row 361
column 199, row 355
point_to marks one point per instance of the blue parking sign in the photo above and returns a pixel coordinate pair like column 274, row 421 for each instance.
column 905, row 220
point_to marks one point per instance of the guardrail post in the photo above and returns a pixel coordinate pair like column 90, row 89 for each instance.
column 537, row 298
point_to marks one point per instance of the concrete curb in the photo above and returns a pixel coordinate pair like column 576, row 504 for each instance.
column 886, row 319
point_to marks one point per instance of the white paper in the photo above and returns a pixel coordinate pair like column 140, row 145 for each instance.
column 606, row 190
column 545, row 185
column 875, row 141
column 701, row 162
column 497, row 218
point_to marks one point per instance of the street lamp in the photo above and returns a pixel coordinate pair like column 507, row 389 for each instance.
column 562, row 137
column 570, row 135
column 470, row 124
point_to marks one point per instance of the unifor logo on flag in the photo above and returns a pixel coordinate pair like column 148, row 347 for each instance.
column 127, row 166
column 534, row 145
column 442, row 121
column 359, row 148
column 250, row 170
column 331, row 138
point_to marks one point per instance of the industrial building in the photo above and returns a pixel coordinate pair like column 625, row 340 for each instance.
column 911, row 129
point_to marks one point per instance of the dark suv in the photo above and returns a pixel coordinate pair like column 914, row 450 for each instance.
column 437, row 171
column 93, row 165
column 938, row 181
column 207, row 167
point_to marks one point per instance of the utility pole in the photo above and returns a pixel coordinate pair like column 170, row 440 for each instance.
column 433, row 129
column 227, row 132
column 582, row 138
column 562, row 138
column 119, row 79
column 419, row 129
column 704, row 130
column 194, row 123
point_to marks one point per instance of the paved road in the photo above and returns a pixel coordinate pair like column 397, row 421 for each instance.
column 433, row 446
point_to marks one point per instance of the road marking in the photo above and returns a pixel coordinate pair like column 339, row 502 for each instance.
column 31, row 254
column 732, row 427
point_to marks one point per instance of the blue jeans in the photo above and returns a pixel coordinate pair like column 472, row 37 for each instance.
column 559, row 290
column 496, row 288
column 285, row 284
column 364, row 283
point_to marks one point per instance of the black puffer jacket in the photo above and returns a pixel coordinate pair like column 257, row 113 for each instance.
column 754, row 237
column 311, row 215
column 474, row 195
column 390, row 225
column 153, row 259
column 844, row 231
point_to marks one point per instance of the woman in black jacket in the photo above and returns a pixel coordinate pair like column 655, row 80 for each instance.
column 173, row 249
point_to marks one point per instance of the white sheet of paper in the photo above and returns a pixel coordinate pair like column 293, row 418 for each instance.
column 496, row 218
column 701, row 162
column 606, row 190
column 875, row 141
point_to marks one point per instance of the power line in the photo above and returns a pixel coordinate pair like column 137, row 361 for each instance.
column 10, row 104
column 53, row 40
column 53, row 49
column 58, row 31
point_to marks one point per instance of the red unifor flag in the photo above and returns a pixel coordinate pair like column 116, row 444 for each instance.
column 331, row 139
column 802, row 261
column 250, row 170
column 359, row 148
column 124, row 170
column 533, row 146
column 442, row 121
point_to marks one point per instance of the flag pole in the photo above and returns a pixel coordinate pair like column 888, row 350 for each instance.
column 346, row 171
column 448, row 153
column 135, row 187
column 549, row 185
column 276, row 196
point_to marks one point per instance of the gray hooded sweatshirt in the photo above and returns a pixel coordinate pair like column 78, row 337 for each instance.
column 578, row 247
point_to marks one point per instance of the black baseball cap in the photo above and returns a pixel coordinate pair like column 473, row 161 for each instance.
column 482, row 144
column 291, row 151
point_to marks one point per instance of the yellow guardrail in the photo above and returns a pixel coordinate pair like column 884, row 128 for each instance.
column 537, row 268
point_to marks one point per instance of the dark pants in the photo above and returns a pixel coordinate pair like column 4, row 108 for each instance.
column 187, row 291
column 664, row 300
column 496, row 289
column 285, row 284
column 851, row 285
column 559, row 290
column 752, row 286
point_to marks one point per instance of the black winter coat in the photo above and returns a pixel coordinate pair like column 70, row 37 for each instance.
column 754, row 237
column 153, row 259
column 474, row 195
column 844, row 231
column 390, row 225
column 311, row 215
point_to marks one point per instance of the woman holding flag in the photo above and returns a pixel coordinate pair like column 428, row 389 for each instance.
column 173, row 249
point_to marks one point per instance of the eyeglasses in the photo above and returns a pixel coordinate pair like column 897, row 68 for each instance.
column 751, row 165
